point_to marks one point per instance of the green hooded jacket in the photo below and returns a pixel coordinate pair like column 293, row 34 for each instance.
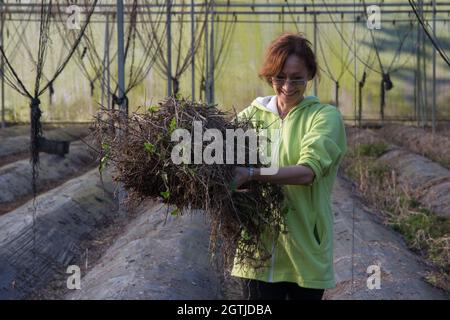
column 312, row 134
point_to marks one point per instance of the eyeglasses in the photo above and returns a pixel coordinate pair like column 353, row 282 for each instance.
column 279, row 82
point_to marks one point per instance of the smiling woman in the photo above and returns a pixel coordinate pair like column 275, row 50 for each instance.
column 290, row 63
column 310, row 149
column 290, row 84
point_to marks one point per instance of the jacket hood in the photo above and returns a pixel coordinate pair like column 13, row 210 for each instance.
column 269, row 103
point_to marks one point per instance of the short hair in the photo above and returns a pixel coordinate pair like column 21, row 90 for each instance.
column 283, row 46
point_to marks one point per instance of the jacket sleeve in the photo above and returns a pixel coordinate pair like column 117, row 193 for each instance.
column 246, row 114
column 324, row 145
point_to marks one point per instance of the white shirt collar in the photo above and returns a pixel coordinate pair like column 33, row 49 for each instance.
column 272, row 105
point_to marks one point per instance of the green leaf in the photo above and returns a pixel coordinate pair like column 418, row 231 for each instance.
column 172, row 125
column 233, row 186
column 106, row 147
column 149, row 147
column 103, row 163
column 165, row 194
column 164, row 177
column 153, row 109
column 245, row 235
column 175, row 212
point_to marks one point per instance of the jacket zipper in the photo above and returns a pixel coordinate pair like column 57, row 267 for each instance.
column 272, row 266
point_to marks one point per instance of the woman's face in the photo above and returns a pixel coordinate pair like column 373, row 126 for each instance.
column 290, row 92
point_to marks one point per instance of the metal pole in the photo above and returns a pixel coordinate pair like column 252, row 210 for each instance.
column 354, row 112
column 169, row 48
column 122, row 193
column 108, row 65
column 415, row 96
column 424, row 78
column 211, row 59
column 359, row 104
column 241, row 8
column 383, row 101
column 315, row 51
column 193, row 50
column 121, row 54
column 103, row 80
column 206, row 54
column 352, row 8
column 2, row 65
column 105, row 61
column 433, row 110
column 418, row 78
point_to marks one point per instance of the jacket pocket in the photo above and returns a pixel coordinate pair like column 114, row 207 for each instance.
column 317, row 237
column 320, row 235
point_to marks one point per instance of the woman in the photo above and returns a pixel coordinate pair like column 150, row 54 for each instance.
column 311, row 147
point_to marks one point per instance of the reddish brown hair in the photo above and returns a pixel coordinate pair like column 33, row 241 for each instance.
column 282, row 47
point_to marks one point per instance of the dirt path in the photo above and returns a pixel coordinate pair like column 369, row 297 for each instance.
column 426, row 180
column 16, row 177
column 33, row 251
column 402, row 271
column 155, row 258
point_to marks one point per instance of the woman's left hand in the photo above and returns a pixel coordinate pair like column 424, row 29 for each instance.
column 240, row 176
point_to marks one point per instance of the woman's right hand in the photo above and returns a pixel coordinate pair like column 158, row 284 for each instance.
column 241, row 175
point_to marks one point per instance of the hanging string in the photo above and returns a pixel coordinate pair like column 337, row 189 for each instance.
column 433, row 40
column 361, row 84
column 36, row 133
column 123, row 101
column 386, row 85
column 51, row 92
column 92, row 86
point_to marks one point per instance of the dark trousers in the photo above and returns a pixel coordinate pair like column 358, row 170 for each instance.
column 260, row 290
